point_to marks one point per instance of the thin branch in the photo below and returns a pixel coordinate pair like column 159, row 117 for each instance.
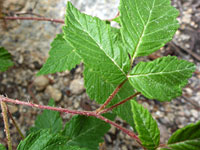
column 34, row 18
column 86, row 113
column 15, row 124
column 5, row 119
column 120, row 103
column 130, row 133
column 111, row 97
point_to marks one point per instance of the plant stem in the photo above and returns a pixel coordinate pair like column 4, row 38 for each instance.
column 34, row 18
column 41, row 19
column 86, row 113
column 130, row 133
column 111, row 96
column 15, row 124
column 120, row 103
column 5, row 119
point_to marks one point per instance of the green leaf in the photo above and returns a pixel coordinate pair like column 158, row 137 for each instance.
column 106, row 61
column 161, row 79
column 147, row 25
column 48, row 120
column 117, row 19
column 146, row 126
column 43, row 140
column 5, row 59
column 85, row 132
column 96, row 45
column 2, row 147
column 62, row 57
column 187, row 137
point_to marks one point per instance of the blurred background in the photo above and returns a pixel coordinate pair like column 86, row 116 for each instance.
column 29, row 43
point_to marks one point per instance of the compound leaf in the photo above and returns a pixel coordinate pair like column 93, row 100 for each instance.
column 147, row 25
column 5, row 59
column 161, row 79
column 187, row 137
column 62, row 57
column 85, row 132
column 48, row 120
column 146, row 126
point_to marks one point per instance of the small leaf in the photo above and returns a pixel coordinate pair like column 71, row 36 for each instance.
column 85, row 132
column 5, row 59
column 146, row 126
column 48, row 120
column 43, row 140
column 62, row 57
column 161, row 79
column 187, row 137
column 2, row 147
column 147, row 25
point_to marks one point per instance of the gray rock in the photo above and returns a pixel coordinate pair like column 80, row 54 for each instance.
column 12, row 108
column 41, row 83
column 195, row 113
column 53, row 93
column 77, row 86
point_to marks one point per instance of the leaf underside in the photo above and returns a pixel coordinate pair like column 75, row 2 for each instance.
column 146, row 126
column 161, row 79
column 5, row 59
column 147, row 25
column 187, row 137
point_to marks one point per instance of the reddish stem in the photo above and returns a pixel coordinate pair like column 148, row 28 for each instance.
column 111, row 97
column 120, row 103
column 86, row 113
column 34, row 18
column 41, row 18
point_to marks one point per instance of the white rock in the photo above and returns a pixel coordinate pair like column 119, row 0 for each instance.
column 195, row 113
column 41, row 83
column 53, row 93
column 77, row 86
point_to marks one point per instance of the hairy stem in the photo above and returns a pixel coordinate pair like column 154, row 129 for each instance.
column 120, row 103
column 111, row 97
column 5, row 119
column 40, row 18
column 15, row 124
column 86, row 113
column 34, row 18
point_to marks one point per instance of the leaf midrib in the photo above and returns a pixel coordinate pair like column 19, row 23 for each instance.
column 183, row 142
column 143, row 31
column 159, row 73
column 148, row 130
